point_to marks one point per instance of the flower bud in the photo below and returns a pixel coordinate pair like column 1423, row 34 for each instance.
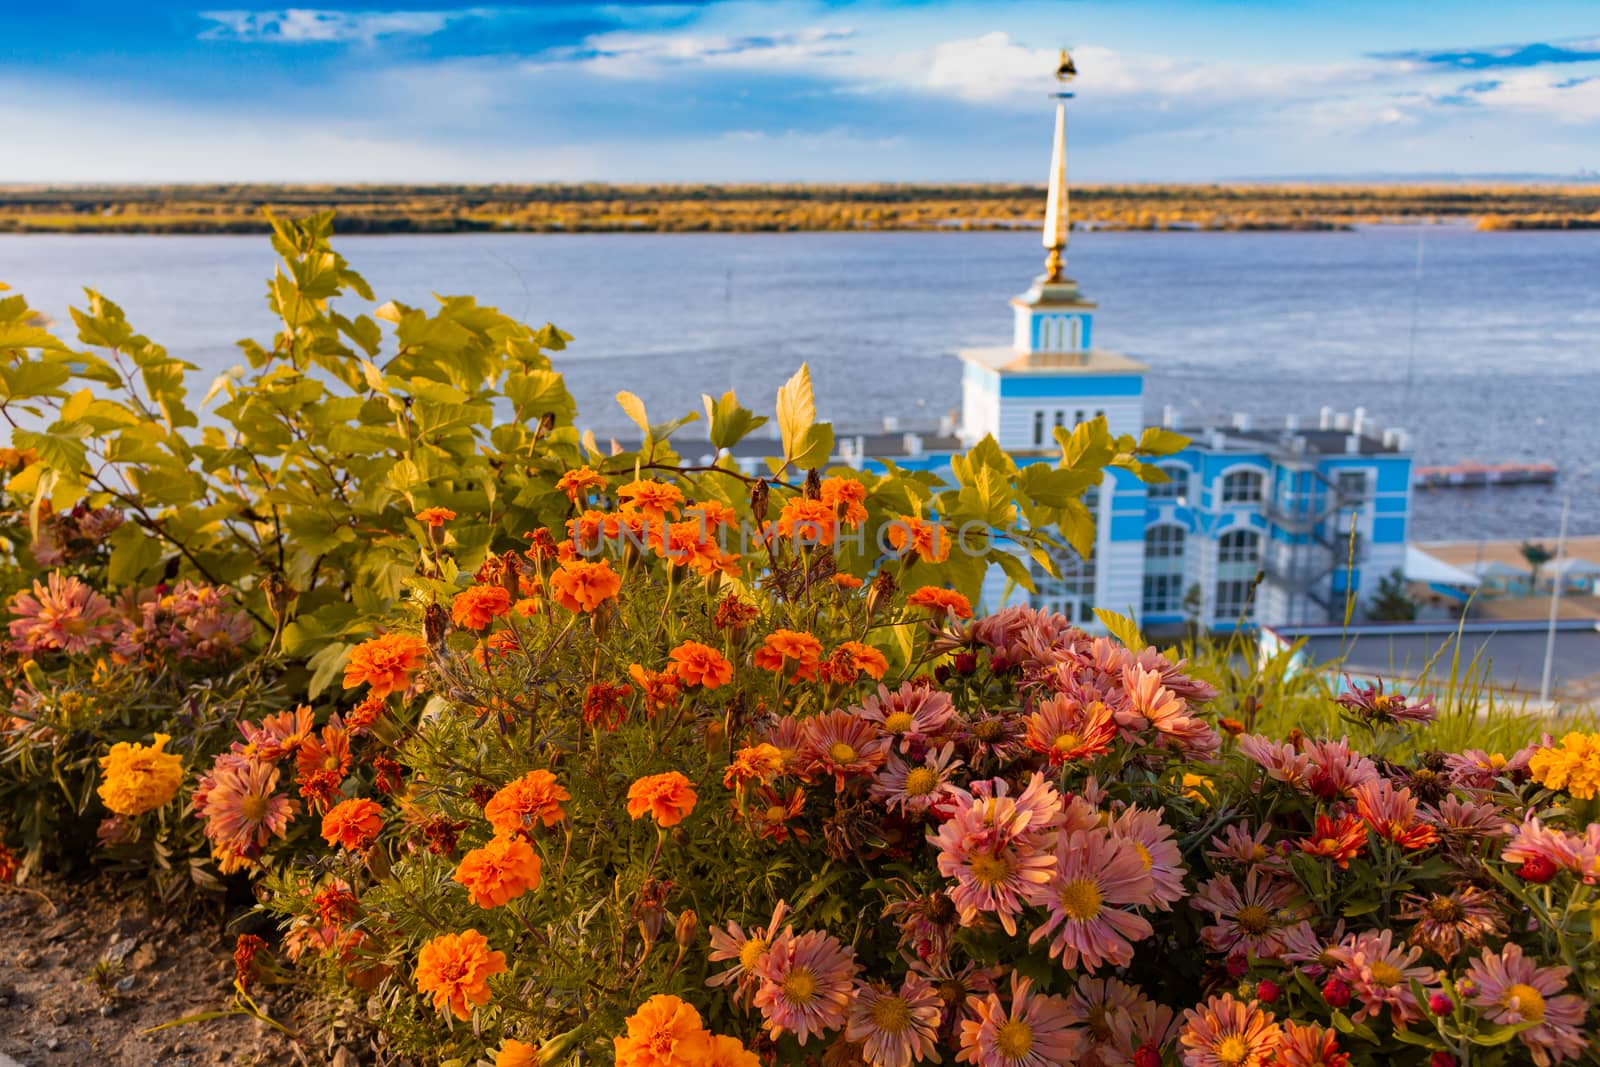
column 686, row 930
column 813, row 486
column 1238, row 964
column 1538, row 869
column 1267, row 991
column 965, row 662
column 1442, row 1059
column 1336, row 992
column 1147, row 1056
column 1440, row 1004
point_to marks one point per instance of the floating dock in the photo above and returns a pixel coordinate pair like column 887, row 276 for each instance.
column 1476, row 475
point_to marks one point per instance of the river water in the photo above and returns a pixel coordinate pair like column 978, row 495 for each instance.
column 1481, row 345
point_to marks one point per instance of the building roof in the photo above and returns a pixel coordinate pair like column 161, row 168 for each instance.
column 1317, row 441
column 1008, row 360
column 1569, row 567
column 1421, row 567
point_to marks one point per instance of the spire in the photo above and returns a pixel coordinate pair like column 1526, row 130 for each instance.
column 1057, row 217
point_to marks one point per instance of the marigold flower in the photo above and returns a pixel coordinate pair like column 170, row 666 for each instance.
column 666, row 798
column 699, row 664
column 533, row 799
column 514, row 1053
column 245, row 967
column 435, row 517
column 385, row 663
column 847, row 497
column 719, row 1050
column 578, row 482
column 759, row 763
column 661, row 689
column 8, row 865
column 602, row 704
column 929, row 540
column 139, row 778
column 582, row 585
column 663, row 1032
column 789, row 651
column 653, row 498
column 847, row 582
column 501, row 870
column 454, row 969
column 940, row 600
column 1574, row 765
column 475, row 607
column 352, row 824
column 808, row 522
column 851, row 660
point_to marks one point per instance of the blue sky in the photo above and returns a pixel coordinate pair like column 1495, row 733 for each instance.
column 936, row 90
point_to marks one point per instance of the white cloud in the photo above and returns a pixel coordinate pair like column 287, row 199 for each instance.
column 1545, row 93
column 631, row 55
column 297, row 25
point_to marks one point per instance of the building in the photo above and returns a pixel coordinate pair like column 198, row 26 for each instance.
column 1257, row 523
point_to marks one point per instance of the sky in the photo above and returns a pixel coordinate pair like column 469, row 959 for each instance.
column 792, row 90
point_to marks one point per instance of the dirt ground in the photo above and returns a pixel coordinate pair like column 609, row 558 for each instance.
column 83, row 973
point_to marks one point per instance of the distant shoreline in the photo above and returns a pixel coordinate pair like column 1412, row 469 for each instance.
column 449, row 209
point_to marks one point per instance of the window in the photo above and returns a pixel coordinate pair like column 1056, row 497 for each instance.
column 1038, row 427
column 1163, row 569
column 1242, row 487
column 1239, row 547
column 1351, row 486
column 1072, row 594
column 1176, row 485
column 1233, row 600
column 1061, row 418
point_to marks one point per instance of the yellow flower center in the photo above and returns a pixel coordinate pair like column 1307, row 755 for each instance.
column 892, row 1015
column 1144, row 855
column 1067, row 742
column 1385, row 973
column 921, row 782
column 840, row 752
column 1496, row 761
column 898, row 723
column 1526, row 1001
column 1232, row 1051
column 989, row 871
column 987, row 730
column 750, row 952
column 1445, row 910
column 1080, row 899
column 254, row 808
column 1014, row 1039
column 777, row 813
column 799, row 988
column 1253, row 919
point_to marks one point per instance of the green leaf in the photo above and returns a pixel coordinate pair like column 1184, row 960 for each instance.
column 633, row 407
column 730, row 422
column 1122, row 628
column 135, row 552
column 805, row 442
column 1155, row 441
column 326, row 665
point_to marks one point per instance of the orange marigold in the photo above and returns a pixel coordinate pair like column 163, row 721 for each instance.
column 661, row 688
column 929, row 540
column 385, row 663
column 853, row 659
column 651, row 497
column 501, row 870
column 535, row 798
column 809, row 522
column 516, row 1053
column 847, row 499
column 455, row 970
column 790, row 650
column 699, row 664
column 941, row 600
column 581, row 585
column 755, row 763
column 435, row 517
column 475, row 607
column 847, row 581
column 664, row 1032
column 576, row 483
column 352, row 824
column 666, row 798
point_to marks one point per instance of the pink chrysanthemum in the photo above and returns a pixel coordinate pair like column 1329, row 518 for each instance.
column 1465, row 818
column 60, row 615
column 843, row 745
column 1380, row 973
column 1167, row 712
column 1510, row 988
column 1158, row 851
column 912, row 716
column 895, row 1027
column 1281, row 760
column 1105, row 1008
column 1309, row 1046
column 998, row 848
column 1229, row 1033
column 915, row 787
column 1067, row 731
column 1392, row 814
column 1096, row 874
column 746, row 950
column 1033, row 1032
column 1534, row 843
column 1336, row 769
column 1237, row 843
column 1250, row 918
column 1311, row 953
column 806, row 984
column 237, row 802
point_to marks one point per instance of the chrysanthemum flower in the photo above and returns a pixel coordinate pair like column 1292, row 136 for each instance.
column 999, row 851
column 1032, row 1032
column 1238, row 844
column 135, row 779
column 238, row 803
column 1371, row 704
column 533, row 800
column 847, row 497
column 746, row 950
column 1510, row 988
column 1340, row 840
column 1104, row 1007
column 843, row 745
column 1167, row 712
column 772, row 813
column 476, row 606
column 1540, row 850
column 352, row 824
column 1249, row 919
column 501, row 870
column 1465, row 818
column 758, row 763
column 1310, row 1046
column 578, row 482
column 896, row 1027
column 1336, row 769
column 60, row 615
column 915, row 787
column 454, row 969
column 1281, row 760
column 667, row 798
column 583, row 585
column 327, row 752
column 385, row 663
column 1448, row 923
column 1228, row 1033
column 701, row 665
column 279, row 734
column 790, row 652
column 1158, row 851
column 806, row 984
column 1392, row 814
column 1096, row 877
column 1380, row 973
column 912, row 716
column 1476, row 769
column 941, row 602
column 1066, row 731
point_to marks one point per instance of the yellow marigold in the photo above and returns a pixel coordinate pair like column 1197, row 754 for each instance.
column 1196, row 786
column 435, row 517
column 139, row 778
column 577, row 483
column 1574, row 765
column 664, row 1032
column 454, row 969
column 516, row 1053
column 534, row 798
column 666, row 798
column 475, row 607
column 580, row 585
column 386, row 663
column 717, row 1050
column 502, row 870
column 941, row 600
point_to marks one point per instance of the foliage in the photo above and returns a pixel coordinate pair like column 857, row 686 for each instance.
column 1536, row 555
column 1391, row 602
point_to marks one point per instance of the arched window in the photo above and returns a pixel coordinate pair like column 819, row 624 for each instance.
column 1238, row 557
column 1176, row 485
column 1239, row 547
column 1242, row 487
column 1163, row 569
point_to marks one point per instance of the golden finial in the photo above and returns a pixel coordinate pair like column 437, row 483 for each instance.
column 1067, row 69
